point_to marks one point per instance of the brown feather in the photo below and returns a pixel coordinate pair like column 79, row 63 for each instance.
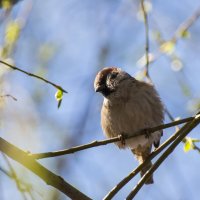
column 134, row 105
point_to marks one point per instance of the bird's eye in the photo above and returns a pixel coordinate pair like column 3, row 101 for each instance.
column 113, row 75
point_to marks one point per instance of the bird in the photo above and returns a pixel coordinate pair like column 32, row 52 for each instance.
column 130, row 105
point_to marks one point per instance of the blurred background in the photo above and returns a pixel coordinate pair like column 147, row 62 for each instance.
column 68, row 42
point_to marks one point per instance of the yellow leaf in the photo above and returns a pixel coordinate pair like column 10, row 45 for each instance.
column 6, row 4
column 185, row 34
column 12, row 32
column 167, row 47
column 59, row 95
column 188, row 144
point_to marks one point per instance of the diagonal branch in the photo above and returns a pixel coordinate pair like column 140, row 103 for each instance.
column 122, row 183
column 186, row 25
column 183, row 132
column 33, row 75
column 49, row 177
column 108, row 141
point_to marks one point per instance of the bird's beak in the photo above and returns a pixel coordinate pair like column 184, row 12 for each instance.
column 100, row 88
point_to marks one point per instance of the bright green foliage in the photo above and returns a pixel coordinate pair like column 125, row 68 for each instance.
column 59, row 96
column 188, row 144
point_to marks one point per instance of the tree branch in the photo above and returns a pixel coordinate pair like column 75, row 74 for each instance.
column 146, row 39
column 122, row 183
column 49, row 177
column 186, row 25
column 107, row 141
column 33, row 75
column 183, row 132
column 8, row 95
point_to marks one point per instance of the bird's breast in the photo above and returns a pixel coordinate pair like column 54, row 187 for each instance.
column 125, row 119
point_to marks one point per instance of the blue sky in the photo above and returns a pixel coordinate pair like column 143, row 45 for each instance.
column 68, row 43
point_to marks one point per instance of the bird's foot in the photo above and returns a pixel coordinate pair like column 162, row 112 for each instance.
column 122, row 138
column 147, row 133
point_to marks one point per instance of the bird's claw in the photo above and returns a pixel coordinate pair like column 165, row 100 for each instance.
column 147, row 133
column 122, row 138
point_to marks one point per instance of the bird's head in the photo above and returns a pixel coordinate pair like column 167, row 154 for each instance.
column 109, row 80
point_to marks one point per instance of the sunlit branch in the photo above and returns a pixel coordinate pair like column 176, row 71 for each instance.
column 183, row 132
column 108, row 141
column 49, row 177
column 33, row 75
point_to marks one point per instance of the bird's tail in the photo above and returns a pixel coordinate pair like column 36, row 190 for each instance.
column 142, row 155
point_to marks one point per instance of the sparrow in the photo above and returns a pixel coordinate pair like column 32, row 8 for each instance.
column 129, row 106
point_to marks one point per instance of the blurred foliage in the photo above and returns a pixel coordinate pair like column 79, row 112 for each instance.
column 91, row 34
column 12, row 32
column 167, row 47
column 7, row 4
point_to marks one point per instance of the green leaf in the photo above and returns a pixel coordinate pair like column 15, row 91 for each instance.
column 195, row 140
column 185, row 34
column 188, row 144
column 59, row 103
column 59, row 97
column 12, row 32
column 167, row 47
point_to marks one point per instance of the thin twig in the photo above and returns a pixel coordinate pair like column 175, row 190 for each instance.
column 8, row 95
column 33, row 75
column 186, row 25
column 7, row 173
column 146, row 39
column 108, row 141
column 183, row 132
column 196, row 148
